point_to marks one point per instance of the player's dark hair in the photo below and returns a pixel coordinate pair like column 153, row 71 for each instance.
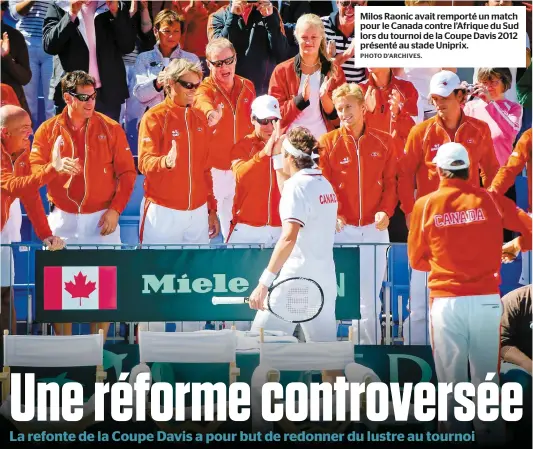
column 302, row 139
column 463, row 174
column 71, row 80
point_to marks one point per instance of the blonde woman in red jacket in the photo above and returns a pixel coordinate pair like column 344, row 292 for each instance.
column 303, row 84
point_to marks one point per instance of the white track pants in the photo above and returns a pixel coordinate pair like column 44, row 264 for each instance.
column 465, row 333
column 373, row 263
column 7, row 262
column 160, row 226
column 224, row 191
column 261, row 235
column 8, row 235
column 81, row 229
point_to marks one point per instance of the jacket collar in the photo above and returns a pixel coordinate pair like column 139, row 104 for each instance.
column 63, row 119
column 238, row 82
column 173, row 107
column 462, row 120
column 308, row 171
column 455, row 182
column 372, row 83
column 5, row 153
column 325, row 68
column 176, row 54
column 347, row 134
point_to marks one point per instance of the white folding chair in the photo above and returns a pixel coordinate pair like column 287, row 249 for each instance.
column 306, row 357
column 250, row 341
column 38, row 351
column 205, row 347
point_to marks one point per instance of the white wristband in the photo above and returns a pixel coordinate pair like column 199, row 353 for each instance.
column 267, row 278
column 277, row 161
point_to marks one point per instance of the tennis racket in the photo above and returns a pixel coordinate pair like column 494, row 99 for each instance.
column 295, row 300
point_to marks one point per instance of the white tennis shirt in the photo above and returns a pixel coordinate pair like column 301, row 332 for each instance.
column 308, row 199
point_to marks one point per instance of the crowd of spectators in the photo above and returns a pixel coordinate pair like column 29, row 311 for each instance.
column 188, row 94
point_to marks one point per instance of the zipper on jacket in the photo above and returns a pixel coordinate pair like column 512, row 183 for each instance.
column 269, row 189
column 85, row 166
column 234, row 111
column 454, row 134
column 72, row 142
column 190, row 160
column 360, row 183
column 359, row 177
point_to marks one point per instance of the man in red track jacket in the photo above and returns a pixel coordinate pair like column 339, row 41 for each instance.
column 16, row 181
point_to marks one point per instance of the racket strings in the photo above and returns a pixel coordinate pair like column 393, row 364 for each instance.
column 297, row 300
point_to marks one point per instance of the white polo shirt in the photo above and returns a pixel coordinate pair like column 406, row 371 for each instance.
column 308, row 199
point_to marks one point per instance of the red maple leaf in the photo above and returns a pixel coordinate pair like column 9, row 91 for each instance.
column 80, row 288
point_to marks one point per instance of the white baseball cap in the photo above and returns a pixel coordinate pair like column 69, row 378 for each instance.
column 266, row 106
column 444, row 83
column 449, row 153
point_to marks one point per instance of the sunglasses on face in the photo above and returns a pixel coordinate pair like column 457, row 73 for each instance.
column 227, row 61
column 188, row 85
column 265, row 121
column 347, row 3
column 84, row 97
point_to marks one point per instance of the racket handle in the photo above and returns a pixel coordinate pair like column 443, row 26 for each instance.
column 229, row 300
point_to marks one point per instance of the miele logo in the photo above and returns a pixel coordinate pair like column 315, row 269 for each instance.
column 345, row 161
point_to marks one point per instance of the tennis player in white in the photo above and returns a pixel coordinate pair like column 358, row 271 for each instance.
column 308, row 212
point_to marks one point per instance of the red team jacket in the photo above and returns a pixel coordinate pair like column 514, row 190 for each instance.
column 417, row 170
column 362, row 173
column 17, row 182
column 257, row 195
column 457, row 235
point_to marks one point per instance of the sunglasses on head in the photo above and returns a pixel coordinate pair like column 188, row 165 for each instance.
column 188, row 85
column 227, row 61
column 265, row 121
column 84, row 97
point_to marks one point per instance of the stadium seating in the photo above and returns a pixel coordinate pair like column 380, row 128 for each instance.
column 398, row 280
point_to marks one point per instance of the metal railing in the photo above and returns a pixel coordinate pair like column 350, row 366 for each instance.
column 390, row 305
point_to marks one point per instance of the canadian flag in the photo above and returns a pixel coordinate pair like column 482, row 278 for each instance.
column 80, row 288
